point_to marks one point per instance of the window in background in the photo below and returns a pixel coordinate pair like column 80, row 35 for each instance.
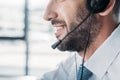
column 11, row 18
column 41, row 37
column 41, row 56
column 12, row 53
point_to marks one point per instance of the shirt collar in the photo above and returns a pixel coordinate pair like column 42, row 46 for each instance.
column 100, row 61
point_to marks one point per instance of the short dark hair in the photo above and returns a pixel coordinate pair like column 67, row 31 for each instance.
column 117, row 8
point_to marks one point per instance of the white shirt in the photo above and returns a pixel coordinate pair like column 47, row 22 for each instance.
column 104, row 63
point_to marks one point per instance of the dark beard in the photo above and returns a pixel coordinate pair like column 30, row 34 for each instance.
column 77, row 40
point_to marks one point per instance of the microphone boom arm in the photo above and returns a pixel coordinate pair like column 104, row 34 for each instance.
column 56, row 44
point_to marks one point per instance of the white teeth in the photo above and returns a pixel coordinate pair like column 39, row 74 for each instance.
column 58, row 28
column 55, row 29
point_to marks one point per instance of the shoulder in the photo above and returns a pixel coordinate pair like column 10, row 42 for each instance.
column 60, row 72
column 114, row 69
column 68, row 62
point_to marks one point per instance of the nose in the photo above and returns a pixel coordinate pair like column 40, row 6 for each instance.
column 50, row 12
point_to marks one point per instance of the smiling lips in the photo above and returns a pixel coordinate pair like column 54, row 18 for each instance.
column 59, row 30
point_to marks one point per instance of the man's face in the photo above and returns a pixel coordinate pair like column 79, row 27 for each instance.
column 65, row 15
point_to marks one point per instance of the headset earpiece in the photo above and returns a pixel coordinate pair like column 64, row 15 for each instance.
column 96, row 6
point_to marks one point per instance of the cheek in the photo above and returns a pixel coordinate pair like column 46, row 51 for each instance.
column 68, row 12
column 68, row 15
column 68, row 8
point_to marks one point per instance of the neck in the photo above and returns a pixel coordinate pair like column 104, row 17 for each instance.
column 106, row 29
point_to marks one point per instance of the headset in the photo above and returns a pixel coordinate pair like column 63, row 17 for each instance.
column 96, row 6
column 93, row 6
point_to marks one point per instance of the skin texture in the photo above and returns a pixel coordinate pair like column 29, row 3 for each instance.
column 67, row 14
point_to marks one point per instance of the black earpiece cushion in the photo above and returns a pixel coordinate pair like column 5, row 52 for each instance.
column 96, row 6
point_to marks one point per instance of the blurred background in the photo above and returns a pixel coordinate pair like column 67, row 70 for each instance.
column 25, row 40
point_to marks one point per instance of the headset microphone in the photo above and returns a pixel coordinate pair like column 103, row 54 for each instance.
column 94, row 6
column 60, row 41
column 56, row 44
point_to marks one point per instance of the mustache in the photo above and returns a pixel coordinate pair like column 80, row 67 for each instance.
column 57, row 21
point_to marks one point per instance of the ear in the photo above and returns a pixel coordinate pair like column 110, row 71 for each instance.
column 108, row 9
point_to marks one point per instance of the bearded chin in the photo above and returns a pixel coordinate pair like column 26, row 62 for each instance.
column 78, row 40
column 75, row 41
